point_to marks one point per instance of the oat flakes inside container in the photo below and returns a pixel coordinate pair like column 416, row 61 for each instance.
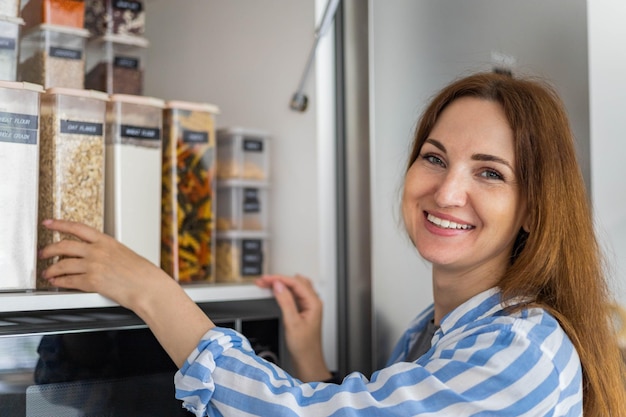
column 71, row 170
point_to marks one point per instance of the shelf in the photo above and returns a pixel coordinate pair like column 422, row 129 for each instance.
column 64, row 300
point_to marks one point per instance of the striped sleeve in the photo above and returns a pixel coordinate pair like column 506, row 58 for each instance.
column 494, row 365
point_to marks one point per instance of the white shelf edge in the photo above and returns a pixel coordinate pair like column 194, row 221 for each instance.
column 65, row 300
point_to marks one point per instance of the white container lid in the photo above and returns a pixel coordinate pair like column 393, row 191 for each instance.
column 242, row 131
column 242, row 183
column 99, row 95
column 133, row 99
column 242, row 234
column 21, row 85
column 123, row 39
column 193, row 106
column 69, row 30
column 11, row 19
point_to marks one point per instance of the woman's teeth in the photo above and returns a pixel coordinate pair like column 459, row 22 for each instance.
column 447, row 224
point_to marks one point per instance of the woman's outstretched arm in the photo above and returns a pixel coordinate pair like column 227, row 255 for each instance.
column 99, row 263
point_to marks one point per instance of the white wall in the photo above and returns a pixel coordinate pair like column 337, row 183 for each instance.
column 607, row 95
column 247, row 57
column 417, row 46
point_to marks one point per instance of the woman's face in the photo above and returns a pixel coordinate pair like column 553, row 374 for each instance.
column 461, row 203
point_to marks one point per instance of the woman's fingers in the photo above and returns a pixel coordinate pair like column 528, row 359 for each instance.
column 67, row 266
column 65, row 247
column 82, row 231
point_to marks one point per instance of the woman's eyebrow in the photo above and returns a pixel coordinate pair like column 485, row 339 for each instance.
column 436, row 144
column 492, row 158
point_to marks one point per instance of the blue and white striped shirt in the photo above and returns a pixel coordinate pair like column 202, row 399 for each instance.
column 484, row 361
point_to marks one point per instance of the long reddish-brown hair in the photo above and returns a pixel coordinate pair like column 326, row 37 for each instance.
column 558, row 263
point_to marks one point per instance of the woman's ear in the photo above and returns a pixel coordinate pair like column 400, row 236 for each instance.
column 526, row 224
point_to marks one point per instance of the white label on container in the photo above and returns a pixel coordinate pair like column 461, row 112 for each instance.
column 251, row 257
column 140, row 132
column 251, row 203
column 126, row 62
column 253, row 145
column 191, row 136
column 65, row 53
column 133, row 6
column 81, row 128
column 7, row 43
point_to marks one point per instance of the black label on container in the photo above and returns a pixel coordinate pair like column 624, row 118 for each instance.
column 251, row 203
column 65, row 53
column 25, row 136
column 139, row 132
column 133, row 6
column 253, row 145
column 7, row 43
column 190, row 136
column 22, row 121
column 126, row 62
column 251, row 257
column 81, row 128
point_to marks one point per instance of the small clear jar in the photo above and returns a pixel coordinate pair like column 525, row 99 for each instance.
column 242, row 153
column 71, row 162
column 133, row 173
column 188, row 191
column 19, row 170
column 123, row 17
column 242, row 205
column 53, row 56
column 241, row 256
column 115, row 64
column 9, row 46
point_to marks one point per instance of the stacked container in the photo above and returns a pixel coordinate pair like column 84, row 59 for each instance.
column 53, row 43
column 71, row 169
column 116, row 53
column 19, row 170
column 188, row 191
column 10, row 25
column 242, row 250
column 133, row 173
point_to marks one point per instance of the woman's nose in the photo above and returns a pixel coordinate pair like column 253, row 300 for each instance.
column 452, row 190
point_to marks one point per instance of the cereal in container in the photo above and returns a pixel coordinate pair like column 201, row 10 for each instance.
column 188, row 191
column 123, row 17
column 71, row 162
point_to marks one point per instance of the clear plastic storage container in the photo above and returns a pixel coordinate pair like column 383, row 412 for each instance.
column 188, row 191
column 9, row 47
column 56, row 12
column 125, row 17
column 19, row 170
column 241, row 256
column 133, row 173
column 10, row 8
column 53, row 56
column 71, row 162
column 115, row 64
column 242, row 205
column 242, row 153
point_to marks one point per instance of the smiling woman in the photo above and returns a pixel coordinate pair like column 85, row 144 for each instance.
column 494, row 199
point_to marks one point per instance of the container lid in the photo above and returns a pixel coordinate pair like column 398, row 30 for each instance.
column 241, row 131
column 242, row 234
column 123, row 39
column 70, row 30
column 11, row 19
column 188, row 105
column 21, row 85
column 144, row 100
column 99, row 95
column 242, row 183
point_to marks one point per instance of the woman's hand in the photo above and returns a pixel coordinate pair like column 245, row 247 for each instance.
column 302, row 317
column 99, row 263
